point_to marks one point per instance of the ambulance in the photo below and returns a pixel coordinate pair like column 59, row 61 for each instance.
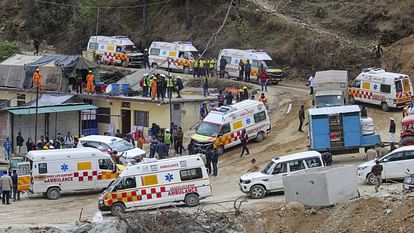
column 376, row 86
column 222, row 126
column 118, row 50
column 181, row 55
column 53, row 172
column 256, row 58
column 177, row 179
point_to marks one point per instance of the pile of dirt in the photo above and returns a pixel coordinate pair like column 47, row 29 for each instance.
column 399, row 56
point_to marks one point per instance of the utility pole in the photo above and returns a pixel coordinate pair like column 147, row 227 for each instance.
column 36, row 112
column 169, row 96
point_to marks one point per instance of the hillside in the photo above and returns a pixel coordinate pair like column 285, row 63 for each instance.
column 302, row 36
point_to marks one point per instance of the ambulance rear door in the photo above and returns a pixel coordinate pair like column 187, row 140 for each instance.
column 23, row 173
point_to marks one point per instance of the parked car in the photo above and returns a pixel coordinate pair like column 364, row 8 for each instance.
column 395, row 165
column 269, row 179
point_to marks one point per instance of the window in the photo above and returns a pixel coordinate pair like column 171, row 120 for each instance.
column 385, row 88
column 225, row 129
column 126, row 104
column 93, row 46
column 191, row 174
column 398, row 86
column 105, row 164
column 176, row 107
column 313, row 162
column 280, row 168
column 394, row 157
column 155, row 51
column 406, row 84
column 255, row 63
column 356, row 83
column 104, row 115
column 296, row 165
column 20, row 102
column 127, row 183
column 227, row 58
column 21, row 96
column 409, row 155
column 258, row 117
column 141, row 118
column 42, row 168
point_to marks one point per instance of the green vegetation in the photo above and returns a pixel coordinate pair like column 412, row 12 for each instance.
column 320, row 12
column 7, row 49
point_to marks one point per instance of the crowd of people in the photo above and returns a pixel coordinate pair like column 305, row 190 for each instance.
column 160, row 86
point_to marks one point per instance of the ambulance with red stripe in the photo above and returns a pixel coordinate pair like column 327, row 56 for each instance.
column 180, row 55
column 53, row 172
column 222, row 126
column 154, row 182
column 376, row 86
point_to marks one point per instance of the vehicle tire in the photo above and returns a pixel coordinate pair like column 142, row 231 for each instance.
column 384, row 107
column 220, row 150
column 125, row 64
column 407, row 141
column 192, row 199
column 53, row 193
column 187, row 70
column 117, row 209
column 257, row 192
column 226, row 75
column 351, row 100
column 370, row 179
column 154, row 65
column 259, row 137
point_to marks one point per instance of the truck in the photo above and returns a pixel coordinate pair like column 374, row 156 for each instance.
column 115, row 50
column 330, row 88
column 340, row 130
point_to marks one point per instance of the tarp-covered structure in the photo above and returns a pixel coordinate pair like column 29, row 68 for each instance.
column 56, row 70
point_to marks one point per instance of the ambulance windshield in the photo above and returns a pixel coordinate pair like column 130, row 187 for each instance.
column 121, row 145
column 208, row 129
column 131, row 49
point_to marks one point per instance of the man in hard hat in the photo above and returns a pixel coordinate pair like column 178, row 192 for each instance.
column 90, row 86
column 146, row 59
column 153, row 87
column 245, row 94
column 36, row 78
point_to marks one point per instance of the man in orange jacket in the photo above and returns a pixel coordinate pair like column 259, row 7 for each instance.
column 36, row 78
column 90, row 87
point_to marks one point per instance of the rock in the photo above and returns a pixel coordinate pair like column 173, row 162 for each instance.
column 83, row 228
column 388, row 211
column 296, row 206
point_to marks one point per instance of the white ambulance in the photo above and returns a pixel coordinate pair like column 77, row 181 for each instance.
column 256, row 59
column 53, row 172
column 182, row 178
column 181, row 54
column 222, row 126
column 119, row 50
column 376, row 86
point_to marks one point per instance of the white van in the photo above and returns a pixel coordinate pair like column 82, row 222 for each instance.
column 394, row 164
column 169, row 180
column 256, row 59
column 117, row 49
column 269, row 179
column 181, row 53
column 53, row 172
column 223, row 126
column 127, row 152
column 376, row 86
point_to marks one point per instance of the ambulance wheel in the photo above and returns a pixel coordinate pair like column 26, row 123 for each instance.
column 220, row 150
column 192, row 199
column 259, row 137
column 351, row 100
column 124, row 64
column 187, row 70
column 257, row 192
column 384, row 107
column 53, row 193
column 117, row 209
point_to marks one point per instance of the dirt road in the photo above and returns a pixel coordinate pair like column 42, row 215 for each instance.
column 283, row 139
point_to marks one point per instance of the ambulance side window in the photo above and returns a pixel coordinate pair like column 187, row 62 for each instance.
column 126, row 183
column 105, row 164
column 155, row 51
column 356, row 83
column 255, row 63
column 398, row 86
column 42, row 168
column 93, row 46
column 225, row 129
column 385, row 88
column 191, row 174
column 227, row 58
column 260, row 116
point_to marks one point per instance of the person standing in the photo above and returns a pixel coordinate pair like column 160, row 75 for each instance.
column 391, row 130
column 19, row 143
column 145, row 85
column 263, row 99
column 264, row 77
column 212, row 66
column 364, row 112
column 7, row 148
column 162, row 150
column 60, row 141
column 69, row 140
column 206, row 81
column 327, row 158
column 201, row 67
column 195, row 68
column 311, row 82
column 15, row 180
column 220, row 98
column 178, row 86
column 245, row 94
column 209, row 157
column 36, row 45
column 90, row 86
column 159, row 87
column 179, row 143
column 153, row 87
column 37, row 78
column 241, row 70
column 371, row 154
column 146, row 59
column 140, row 139
column 247, row 70
column 244, row 138
column 223, row 63
column 29, row 144
column 6, row 185
column 377, row 170
column 170, row 86
column 153, row 145
column 167, row 138
column 214, row 161
column 301, row 117
column 118, row 134
column 203, row 111
column 229, row 98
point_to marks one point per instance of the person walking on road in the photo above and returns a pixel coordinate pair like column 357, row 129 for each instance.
column 214, row 161
column 179, row 143
column 206, row 81
column 264, row 77
column 247, row 70
column 311, row 82
column 6, row 185
column 301, row 117
column 15, row 179
column 391, row 130
column 7, row 148
column 244, row 138
column 162, row 150
column 377, row 170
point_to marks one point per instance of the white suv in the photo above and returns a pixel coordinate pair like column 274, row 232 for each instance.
column 269, row 179
column 394, row 164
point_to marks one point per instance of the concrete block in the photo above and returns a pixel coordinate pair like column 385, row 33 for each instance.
column 322, row 186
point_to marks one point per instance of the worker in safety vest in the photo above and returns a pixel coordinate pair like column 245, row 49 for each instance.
column 170, row 86
column 145, row 85
column 36, row 78
column 90, row 86
column 153, row 87
column 263, row 99
column 201, row 67
column 167, row 138
column 195, row 68
column 211, row 65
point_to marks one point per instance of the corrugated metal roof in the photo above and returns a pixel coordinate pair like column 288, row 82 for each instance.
column 51, row 109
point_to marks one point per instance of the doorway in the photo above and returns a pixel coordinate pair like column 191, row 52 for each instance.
column 126, row 121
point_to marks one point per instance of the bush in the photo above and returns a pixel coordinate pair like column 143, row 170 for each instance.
column 320, row 12
column 7, row 49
